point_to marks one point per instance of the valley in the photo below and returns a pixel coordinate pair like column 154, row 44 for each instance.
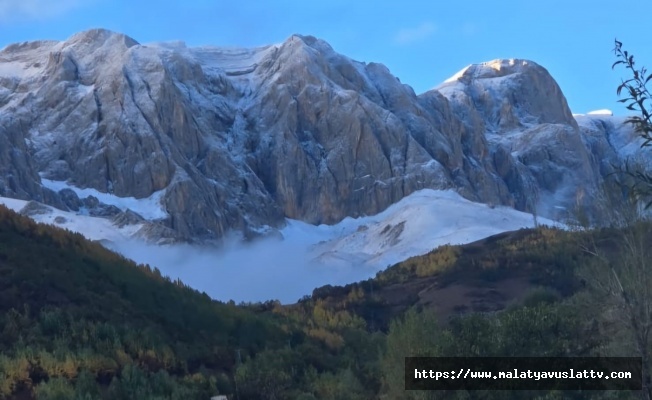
column 285, row 222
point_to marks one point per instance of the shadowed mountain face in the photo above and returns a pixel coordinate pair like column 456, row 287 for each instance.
column 239, row 139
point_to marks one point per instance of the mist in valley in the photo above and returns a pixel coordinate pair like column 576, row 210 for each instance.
column 268, row 269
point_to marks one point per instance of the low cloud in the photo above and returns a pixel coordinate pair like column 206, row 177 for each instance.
column 265, row 270
column 411, row 35
column 21, row 10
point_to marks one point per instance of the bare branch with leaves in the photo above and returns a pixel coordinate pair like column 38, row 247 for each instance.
column 638, row 94
column 637, row 98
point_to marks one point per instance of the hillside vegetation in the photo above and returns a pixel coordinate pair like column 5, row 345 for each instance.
column 80, row 322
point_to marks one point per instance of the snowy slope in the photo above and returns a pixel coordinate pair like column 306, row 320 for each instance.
column 417, row 224
column 149, row 208
column 308, row 256
column 623, row 138
column 93, row 228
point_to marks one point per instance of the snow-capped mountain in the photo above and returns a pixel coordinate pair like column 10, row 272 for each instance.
column 194, row 143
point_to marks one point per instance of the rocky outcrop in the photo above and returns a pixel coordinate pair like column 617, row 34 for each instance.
column 509, row 94
column 18, row 176
column 128, row 217
column 112, row 115
column 239, row 139
column 538, row 148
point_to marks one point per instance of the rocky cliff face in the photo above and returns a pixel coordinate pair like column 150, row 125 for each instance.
column 239, row 139
column 537, row 147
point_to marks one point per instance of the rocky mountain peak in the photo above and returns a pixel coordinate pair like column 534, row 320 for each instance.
column 304, row 52
column 308, row 41
column 493, row 69
column 100, row 37
column 510, row 94
column 239, row 139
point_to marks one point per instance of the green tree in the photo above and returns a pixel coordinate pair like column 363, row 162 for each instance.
column 269, row 375
column 55, row 389
column 86, row 387
column 133, row 384
column 341, row 386
column 415, row 335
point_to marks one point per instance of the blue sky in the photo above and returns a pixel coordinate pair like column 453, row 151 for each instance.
column 421, row 42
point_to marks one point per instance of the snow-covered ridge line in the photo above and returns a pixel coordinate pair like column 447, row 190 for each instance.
column 479, row 70
column 231, row 60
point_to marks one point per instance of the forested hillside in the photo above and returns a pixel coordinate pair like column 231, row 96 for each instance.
column 80, row 322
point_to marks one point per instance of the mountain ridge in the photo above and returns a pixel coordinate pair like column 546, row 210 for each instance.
column 240, row 139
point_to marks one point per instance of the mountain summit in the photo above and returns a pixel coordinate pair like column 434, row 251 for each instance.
column 512, row 93
column 224, row 139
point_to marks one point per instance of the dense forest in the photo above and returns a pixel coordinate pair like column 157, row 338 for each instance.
column 80, row 322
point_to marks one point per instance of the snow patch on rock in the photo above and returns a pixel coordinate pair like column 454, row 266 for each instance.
column 149, row 208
